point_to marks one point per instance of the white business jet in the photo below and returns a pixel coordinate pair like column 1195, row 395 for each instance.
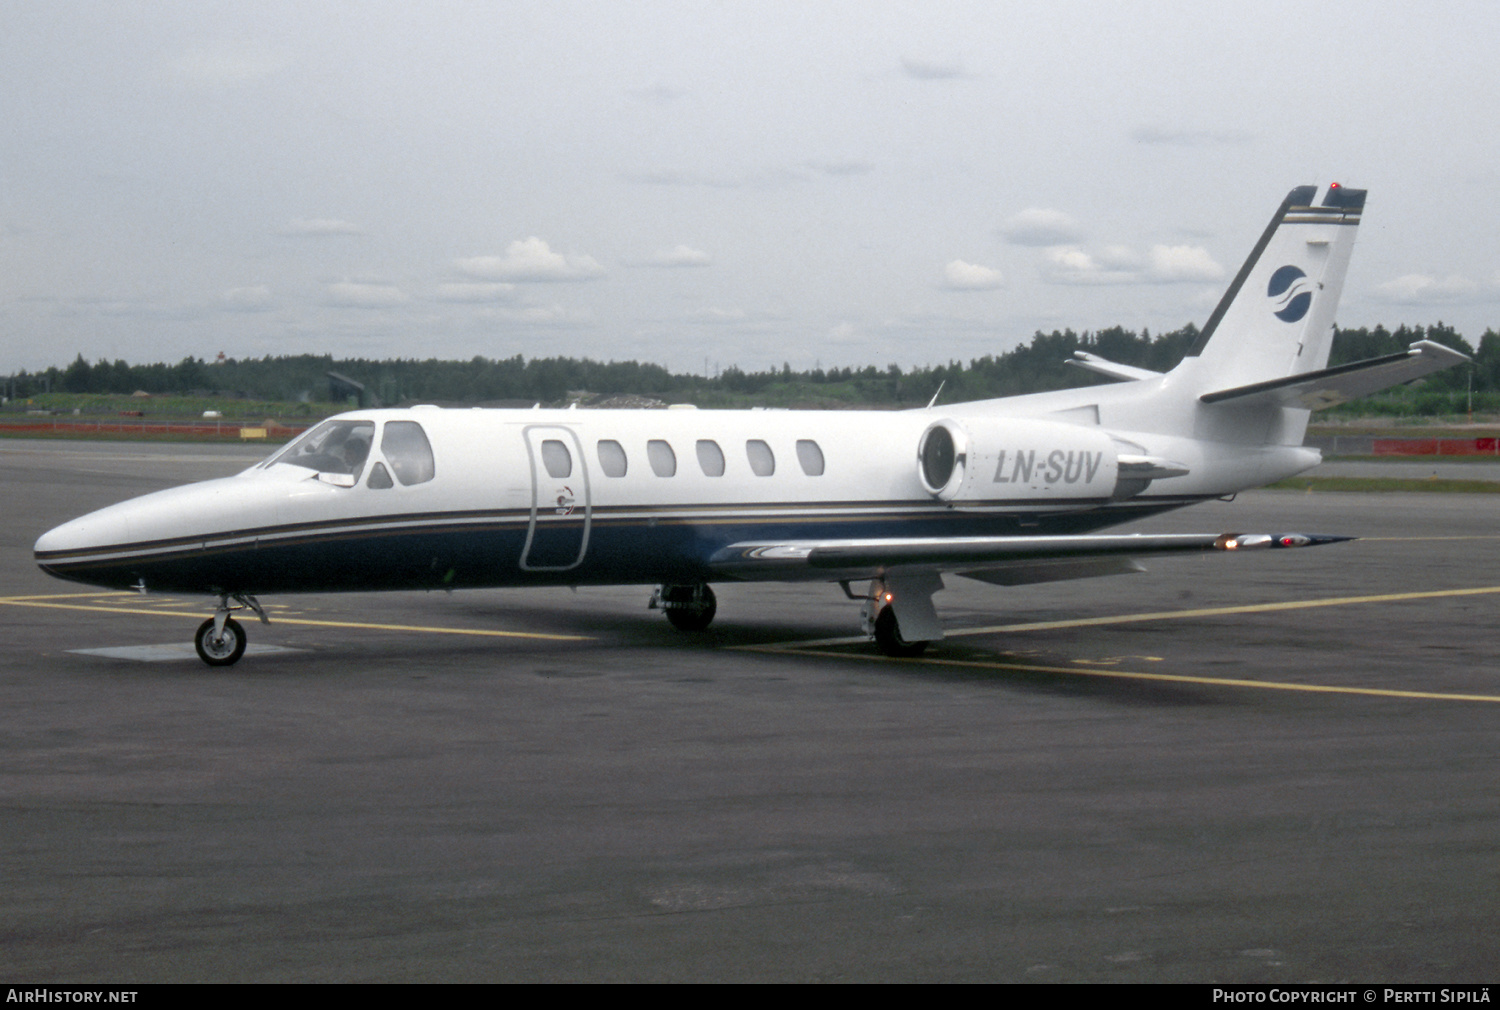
column 1005, row 491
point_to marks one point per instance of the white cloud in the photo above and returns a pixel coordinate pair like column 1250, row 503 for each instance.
column 659, row 93
column 531, row 259
column 255, row 298
column 365, row 295
column 474, row 291
column 845, row 333
column 931, row 70
column 1118, row 257
column 773, row 177
column 1155, row 134
column 1168, row 264
column 317, row 227
column 542, row 315
column 1039, row 226
column 1422, row 288
column 851, row 167
column 961, row 276
column 1119, row 264
column 714, row 314
column 1071, row 265
column 678, row 256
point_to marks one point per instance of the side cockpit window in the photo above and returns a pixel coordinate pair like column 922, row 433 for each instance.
column 380, row 477
column 405, row 447
column 332, row 447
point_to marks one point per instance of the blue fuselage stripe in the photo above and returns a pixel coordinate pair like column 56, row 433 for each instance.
column 620, row 550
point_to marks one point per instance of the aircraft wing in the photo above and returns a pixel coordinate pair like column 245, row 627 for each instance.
column 1329, row 387
column 1002, row 560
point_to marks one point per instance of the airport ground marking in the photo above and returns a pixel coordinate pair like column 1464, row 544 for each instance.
column 1248, row 608
column 820, row 647
column 48, row 603
column 1169, row 615
column 1170, row 678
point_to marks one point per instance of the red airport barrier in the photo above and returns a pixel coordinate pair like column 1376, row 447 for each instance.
column 1436, row 446
column 147, row 429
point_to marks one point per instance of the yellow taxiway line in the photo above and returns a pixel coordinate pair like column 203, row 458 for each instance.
column 820, row 647
column 49, row 602
column 1171, row 615
column 1250, row 608
column 1171, row 678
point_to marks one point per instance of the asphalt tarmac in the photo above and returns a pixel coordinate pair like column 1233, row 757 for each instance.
column 1269, row 767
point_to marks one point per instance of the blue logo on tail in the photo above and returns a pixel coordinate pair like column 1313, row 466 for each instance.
column 1291, row 294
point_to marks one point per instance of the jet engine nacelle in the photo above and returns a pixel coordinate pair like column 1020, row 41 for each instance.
column 983, row 460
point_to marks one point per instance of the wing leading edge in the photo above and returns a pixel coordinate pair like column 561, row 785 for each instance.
column 1003, row 560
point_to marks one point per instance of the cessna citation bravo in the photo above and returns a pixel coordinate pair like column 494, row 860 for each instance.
column 1005, row 491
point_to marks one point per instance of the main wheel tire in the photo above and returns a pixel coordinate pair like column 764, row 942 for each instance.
column 220, row 650
column 690, row 612
column 888, row 637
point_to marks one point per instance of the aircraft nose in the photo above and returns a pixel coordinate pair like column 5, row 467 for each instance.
column 130, row 524
column 90, row 532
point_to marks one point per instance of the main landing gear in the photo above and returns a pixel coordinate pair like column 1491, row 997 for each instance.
column 221, row 640
column 898, row 613
column 689, row 608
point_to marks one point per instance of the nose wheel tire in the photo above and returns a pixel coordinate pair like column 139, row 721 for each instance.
column 888, row 637
column 220, row 650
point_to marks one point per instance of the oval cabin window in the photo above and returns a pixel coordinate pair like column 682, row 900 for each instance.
column 710, row 457
column 762, row 459
column 612, row 458
column 556, row 458
column 810, row 455
column 663, row 460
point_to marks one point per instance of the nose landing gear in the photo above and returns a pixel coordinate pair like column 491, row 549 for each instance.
column 222, row 645
column 221, row 640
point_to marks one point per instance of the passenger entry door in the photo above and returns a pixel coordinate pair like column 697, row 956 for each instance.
column 557, row 536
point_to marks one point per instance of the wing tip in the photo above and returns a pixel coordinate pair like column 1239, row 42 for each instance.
column 1253, row 541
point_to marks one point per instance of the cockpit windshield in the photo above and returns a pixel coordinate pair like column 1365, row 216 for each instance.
column 332, row 447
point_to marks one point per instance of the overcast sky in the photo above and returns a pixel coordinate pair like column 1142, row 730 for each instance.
column 720, row 183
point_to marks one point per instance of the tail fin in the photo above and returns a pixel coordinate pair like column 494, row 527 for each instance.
column 1276, row 319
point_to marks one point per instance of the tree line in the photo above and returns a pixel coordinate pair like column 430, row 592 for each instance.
column 1031, row 367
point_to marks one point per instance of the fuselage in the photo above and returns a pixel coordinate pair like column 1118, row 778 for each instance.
column 445, row 498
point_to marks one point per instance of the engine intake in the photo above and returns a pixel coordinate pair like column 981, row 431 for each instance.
column 984, row 461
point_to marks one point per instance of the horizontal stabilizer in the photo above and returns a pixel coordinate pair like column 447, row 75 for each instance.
column 1094, row 363
column 858, row 559
column 1329, row 387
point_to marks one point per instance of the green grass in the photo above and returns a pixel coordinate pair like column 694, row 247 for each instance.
column 1438, row 484
column 1425, row 427
column 99, row 406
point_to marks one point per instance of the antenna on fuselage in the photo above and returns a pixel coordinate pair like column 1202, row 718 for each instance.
column 933, row 402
